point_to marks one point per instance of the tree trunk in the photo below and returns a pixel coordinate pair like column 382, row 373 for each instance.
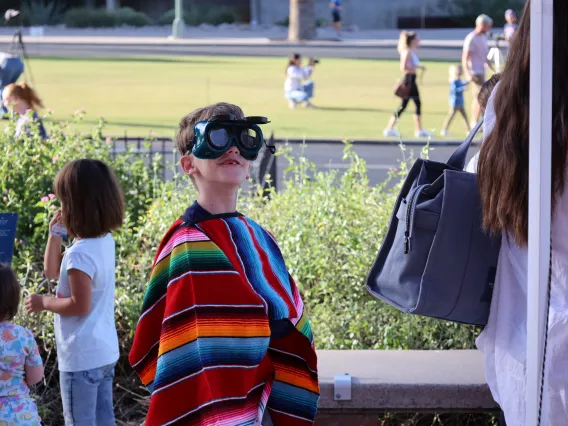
column 112, row 4
column 302, row 20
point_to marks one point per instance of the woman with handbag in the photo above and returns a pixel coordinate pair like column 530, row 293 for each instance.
column 408, row 89
column 503, row 175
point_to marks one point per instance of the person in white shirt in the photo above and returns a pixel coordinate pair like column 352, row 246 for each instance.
column 503, row 181
column 475, row 58
column 297, row 88
column 408, row 43
column 92, row 205
column 511, row 25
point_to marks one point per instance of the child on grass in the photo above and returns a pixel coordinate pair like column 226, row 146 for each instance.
column 223, row 338
column 456, row 98
column 87, row 344
column 20, row 363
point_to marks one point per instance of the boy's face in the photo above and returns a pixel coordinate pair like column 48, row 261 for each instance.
column 231, row 169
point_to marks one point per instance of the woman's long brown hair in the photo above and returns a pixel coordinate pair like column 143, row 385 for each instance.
column 503, row 170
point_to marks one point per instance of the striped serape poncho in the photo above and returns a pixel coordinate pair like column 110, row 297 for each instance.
column 223, row 335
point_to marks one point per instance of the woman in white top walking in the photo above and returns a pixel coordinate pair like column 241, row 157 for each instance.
column 87, row 344
column 297, row 88
column 503, row 182
column 409, row 64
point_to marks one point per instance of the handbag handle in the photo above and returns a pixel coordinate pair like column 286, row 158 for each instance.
column 457, row 160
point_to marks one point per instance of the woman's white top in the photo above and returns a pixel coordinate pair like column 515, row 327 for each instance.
column 295, row 76
column 488, row 125
column 504, row 340
column 414, row 59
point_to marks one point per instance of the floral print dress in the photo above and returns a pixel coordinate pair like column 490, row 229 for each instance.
column 18, row 349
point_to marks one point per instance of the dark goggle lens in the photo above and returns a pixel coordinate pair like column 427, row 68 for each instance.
column 249, row 139
column 218, row 137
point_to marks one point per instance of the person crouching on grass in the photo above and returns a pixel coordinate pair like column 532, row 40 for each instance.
column 223, row 337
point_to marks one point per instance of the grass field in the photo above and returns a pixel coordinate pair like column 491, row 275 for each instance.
column 139, row 95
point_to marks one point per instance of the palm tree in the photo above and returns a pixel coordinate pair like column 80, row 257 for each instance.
column 302, row 20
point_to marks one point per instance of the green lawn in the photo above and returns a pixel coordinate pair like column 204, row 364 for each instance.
column 139, row 95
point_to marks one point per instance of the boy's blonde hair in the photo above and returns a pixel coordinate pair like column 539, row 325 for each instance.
column 455, row 72
column 24, row 92
column 184, row 138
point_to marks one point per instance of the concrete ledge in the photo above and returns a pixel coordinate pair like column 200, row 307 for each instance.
column 405, row 381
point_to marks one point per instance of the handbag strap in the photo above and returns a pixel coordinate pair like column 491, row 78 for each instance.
column 542, row 379
column 457, row 160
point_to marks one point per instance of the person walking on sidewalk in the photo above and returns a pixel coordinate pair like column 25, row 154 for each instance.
column 409, row 64
column 336, row 8
column 474, row 60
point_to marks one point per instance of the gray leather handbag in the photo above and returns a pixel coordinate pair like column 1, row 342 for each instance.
column 436, row 260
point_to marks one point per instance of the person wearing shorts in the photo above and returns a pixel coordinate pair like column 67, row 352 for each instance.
column 335, row 6
column 474, row 60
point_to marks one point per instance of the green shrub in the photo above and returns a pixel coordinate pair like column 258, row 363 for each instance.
column 90, row 18
column 329, row 226
column 102, row 18
column 197, row 15
column 320, row 22
column 284, row 22
column 129, row 16
column 40, row 12
column 220, row 15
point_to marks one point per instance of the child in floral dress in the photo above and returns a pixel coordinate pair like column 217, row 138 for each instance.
column 20, row 362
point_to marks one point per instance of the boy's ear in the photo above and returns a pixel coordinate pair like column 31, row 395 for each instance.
column 188, row 165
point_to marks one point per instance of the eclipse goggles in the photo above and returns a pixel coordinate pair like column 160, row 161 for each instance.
column 212, row 138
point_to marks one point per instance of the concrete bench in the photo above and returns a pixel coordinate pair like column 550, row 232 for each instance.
column 402, row 381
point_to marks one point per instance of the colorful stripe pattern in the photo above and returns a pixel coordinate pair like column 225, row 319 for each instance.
column 203, row 345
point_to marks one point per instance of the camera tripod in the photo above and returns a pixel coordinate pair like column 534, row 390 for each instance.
column 18, row 48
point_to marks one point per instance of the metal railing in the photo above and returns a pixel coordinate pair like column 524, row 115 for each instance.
column 261, row 169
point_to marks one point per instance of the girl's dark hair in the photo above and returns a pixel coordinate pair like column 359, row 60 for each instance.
column 504, row 158
column 9, row 293
column 486, row 90
column 292, row 61
column 91, row 198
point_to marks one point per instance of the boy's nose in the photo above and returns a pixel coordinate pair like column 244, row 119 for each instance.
column 233, row 149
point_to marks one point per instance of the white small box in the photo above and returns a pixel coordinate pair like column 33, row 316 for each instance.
column 342, row 387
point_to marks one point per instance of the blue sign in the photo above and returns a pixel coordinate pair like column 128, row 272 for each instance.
column 8, row 222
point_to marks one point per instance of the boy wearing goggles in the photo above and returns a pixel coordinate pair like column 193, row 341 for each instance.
column 223, row 338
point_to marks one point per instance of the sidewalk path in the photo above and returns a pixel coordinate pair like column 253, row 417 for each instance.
column 232, row 40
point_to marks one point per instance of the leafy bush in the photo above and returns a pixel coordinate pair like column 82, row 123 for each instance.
column 89, row 18
column 27, row 178
column 197, row 15
column 329, row 226
column 320, row 22
column 40, row 12
column 101, row 18
column 465, row 11
column 284, row 22
column 129, row 16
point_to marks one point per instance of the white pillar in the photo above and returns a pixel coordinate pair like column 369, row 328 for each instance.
column 540, row 156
